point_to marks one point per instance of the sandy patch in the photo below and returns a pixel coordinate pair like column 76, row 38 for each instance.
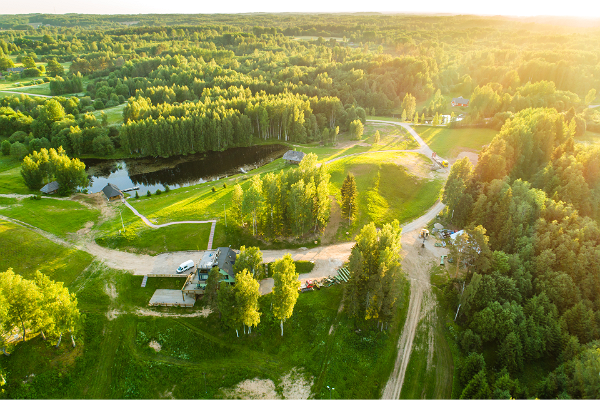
column 111, row 290
column 112, row 314
column 86, row 228
column 157, row 347
column 252, row 389
column 414, row 164
column 294, row 385
column 473, row 157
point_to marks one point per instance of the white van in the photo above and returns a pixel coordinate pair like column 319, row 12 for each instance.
column 185, row 266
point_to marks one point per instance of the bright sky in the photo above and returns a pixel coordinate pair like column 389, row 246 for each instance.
column 581, row 8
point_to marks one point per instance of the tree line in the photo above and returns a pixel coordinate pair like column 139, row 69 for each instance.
column 45, row 166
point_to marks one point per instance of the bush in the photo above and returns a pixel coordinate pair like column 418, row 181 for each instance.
column 98, row 104
column 32, row 72
column 167, row 189
column 225, row 185
column 214, row 189
column 18, row 150
column 158, row 191
column 18, row 136
column 102, row 145
column 148, row 194
column 137, row 196
column 5, row 146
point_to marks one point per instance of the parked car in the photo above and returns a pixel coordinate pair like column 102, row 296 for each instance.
column 185, row 266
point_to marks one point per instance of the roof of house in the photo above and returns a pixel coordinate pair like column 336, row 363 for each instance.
column 292, row 155
column 16, row 69
column 49, row 188
column 111, row 190
column 226, row 260
column 460, row 100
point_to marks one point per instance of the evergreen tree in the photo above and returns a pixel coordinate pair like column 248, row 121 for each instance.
column 349, row 198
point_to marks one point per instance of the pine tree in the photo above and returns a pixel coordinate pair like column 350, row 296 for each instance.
column 285, row 288
column 403, row 117
column 376, row 137
column 349, row 198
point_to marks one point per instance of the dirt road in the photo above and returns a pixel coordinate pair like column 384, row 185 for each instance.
column 417, row 262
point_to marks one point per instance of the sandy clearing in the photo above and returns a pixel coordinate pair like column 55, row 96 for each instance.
column 155, row 345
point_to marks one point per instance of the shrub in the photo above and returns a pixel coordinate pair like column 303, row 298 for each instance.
column 137, row 196
column 158, row 191
column 225, row 185
column 214, row 189
column 5, row 146
column 18, row 150
column 18, row 136
column 148, row 194
column 167, row 189
column 98, row 104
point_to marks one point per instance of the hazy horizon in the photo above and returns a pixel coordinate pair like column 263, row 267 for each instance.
column 510, row 8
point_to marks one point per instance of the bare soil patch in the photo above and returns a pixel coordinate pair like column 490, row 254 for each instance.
column 155, row 345
column 252, row 389
column 295, row 385
column 414, row 164
column 111, row 290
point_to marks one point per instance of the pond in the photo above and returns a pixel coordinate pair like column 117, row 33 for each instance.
column 179, row 171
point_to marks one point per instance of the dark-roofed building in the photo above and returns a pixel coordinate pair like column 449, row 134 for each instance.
column 50, row 188
column 112, row 192
column 16, row 69
column 222, row 258
column 293, row 156
column 459, row 102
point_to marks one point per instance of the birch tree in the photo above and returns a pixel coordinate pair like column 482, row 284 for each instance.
column 22, row 297
column 285, row 288
column 246, row 296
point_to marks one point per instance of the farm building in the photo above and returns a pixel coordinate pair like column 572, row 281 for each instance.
column 15, row 69
column 112, row 192
column 50, row 188
column 222, row 258
column 459, row 102
column 293, row 157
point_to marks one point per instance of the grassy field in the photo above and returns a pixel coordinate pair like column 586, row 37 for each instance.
column 26, row 251
column 386, row 189
column 113, row 358
column 43, row 88
column 448, row 143
column 58, row 217
column 8, row 162
column 590, row 137
column 11, row 179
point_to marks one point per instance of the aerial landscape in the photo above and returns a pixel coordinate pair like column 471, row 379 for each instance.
column 294, row 205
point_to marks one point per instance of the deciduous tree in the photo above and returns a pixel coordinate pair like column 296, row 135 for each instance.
column 285, row 288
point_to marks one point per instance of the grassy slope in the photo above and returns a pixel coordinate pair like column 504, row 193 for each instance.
column 55, row 216
column 26, row 251
column 115, row 114
column 386, row 190
column 449, row 142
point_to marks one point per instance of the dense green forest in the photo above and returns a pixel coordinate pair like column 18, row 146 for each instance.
column 531, row 261
column 225, row 81
column 528, row 277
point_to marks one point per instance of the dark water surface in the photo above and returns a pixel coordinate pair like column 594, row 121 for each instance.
column 179, row 171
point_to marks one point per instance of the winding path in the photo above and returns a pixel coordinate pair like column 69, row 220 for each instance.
column 25, row 93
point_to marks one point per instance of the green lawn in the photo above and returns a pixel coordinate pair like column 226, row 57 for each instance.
column 590, row 137
column 448, row 143
column 8, row 162
column 386, row 189
column 115, row 114
column 11, row 179
column 26, row 251
column 58, row 217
